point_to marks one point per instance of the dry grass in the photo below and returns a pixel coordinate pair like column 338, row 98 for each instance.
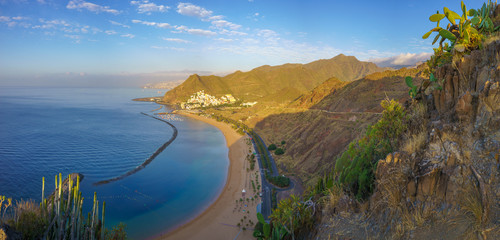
column 473, row 208
column 415, row 142
column 334, row 196
column 25, row 206
column 415, row 138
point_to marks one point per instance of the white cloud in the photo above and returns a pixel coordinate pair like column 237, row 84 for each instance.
column 119, row 24
column 266, row 33
column 217, row 21
column 110, row 32
column 192, row 10
column 80, row 4
column 283, row 51
column 216, row 17
column 270, row 37
column 41, row 1
column 403, row 59
column 154, row 24
column 232, row 33
column 76, row 38
column 224, row 24
column 15, row 21
column 53, row 24
column 224, row 39
column 4, row 19
column 170, row 48
column 19, row 18
column 147, row 7
column 194, row 31
column 177, row 40
column 128, row 35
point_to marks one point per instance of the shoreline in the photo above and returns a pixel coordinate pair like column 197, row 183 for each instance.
column 219, row 219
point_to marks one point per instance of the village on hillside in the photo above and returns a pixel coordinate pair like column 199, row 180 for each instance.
column 202, row 99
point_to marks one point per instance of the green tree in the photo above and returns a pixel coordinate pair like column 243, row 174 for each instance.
column 279, row 151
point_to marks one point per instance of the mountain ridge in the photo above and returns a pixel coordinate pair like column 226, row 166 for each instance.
column 290, row 80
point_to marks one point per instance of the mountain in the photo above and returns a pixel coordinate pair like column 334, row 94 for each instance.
column 318, row 93
column 164, row 85
column 265, row 83
column 334, row 114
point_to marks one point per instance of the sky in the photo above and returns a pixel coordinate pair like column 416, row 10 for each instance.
column 130, row 43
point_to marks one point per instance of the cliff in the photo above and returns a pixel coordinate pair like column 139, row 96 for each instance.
column 444, row 180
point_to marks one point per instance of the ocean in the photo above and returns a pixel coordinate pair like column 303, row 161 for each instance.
column 102, row 134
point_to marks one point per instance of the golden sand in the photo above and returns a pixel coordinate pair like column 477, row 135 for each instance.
column 219, row 221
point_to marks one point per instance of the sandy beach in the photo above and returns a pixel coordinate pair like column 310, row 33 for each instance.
column 220, row 220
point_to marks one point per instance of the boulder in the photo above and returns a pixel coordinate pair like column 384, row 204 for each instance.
column 65, row 186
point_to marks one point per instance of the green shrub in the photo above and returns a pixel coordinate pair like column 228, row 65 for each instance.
column 279, row 151
column 271, row 147
column 117, row 233
column 283, row 142
column 357, row 165
column 294, row 215
column 31, row 224
column 280, row 181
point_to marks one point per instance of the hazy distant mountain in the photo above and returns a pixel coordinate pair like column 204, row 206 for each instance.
column 282, row 83
column 164, row 85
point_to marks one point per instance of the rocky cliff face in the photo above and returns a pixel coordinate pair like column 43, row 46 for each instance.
column 444, row 181
column 457, row 164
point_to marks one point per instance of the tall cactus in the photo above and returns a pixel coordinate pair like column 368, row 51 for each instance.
column 65, row 218
column 102, row 222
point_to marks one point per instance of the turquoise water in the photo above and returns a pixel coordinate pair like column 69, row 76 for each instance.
column 101, row 134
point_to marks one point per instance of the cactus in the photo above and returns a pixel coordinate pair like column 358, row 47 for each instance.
column 65, row 219
column 413, row 89
column 467, row 33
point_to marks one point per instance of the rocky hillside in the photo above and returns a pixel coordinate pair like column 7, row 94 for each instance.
column 317, row 135
column 318, row 93
column 282, row 83
column 444, row 181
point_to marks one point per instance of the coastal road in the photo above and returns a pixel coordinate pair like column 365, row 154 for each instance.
column 273, row 164
column 266, row 207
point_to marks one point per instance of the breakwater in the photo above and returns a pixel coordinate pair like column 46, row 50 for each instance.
column 149, row 160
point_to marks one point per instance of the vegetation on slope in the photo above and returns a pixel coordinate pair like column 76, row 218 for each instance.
column 356, row 167
column 423, row 162
column 59, row 216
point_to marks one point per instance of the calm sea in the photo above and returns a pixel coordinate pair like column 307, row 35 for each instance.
column 101, row 134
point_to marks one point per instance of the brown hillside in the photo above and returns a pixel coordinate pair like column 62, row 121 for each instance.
column 288, row 81
column 316, row 136
column 318, row 93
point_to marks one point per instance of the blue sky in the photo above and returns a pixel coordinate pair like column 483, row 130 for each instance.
column 133, row 42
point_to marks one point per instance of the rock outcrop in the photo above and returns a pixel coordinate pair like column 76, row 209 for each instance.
column 460, row 158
